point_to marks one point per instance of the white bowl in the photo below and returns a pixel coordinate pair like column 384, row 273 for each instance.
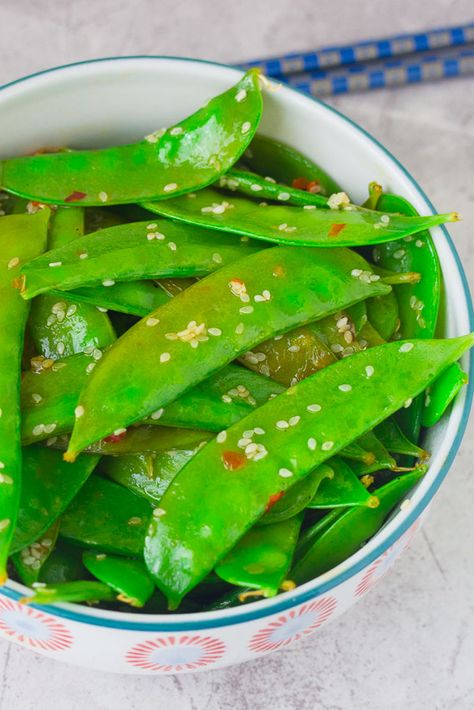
column 113, row 101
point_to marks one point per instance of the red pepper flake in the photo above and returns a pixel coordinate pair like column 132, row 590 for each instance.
column 233, row 460
column 75, row 196
column 274, row 499
column 335, row 229
column 300, row 183
column 115, row 438
column 278, row 271
column 314, row 186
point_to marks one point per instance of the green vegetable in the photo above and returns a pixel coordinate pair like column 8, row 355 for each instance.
column 441, row 393
column 128, row 578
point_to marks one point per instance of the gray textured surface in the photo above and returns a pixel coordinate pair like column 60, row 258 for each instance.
column 410, row 643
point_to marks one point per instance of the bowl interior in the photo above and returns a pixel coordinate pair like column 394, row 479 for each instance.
column 108, row 102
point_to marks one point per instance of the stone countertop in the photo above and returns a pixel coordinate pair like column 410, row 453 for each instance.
column 410, row 643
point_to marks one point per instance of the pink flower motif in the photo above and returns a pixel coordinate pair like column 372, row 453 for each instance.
column 293, row 625
column 381, row 565
column 32, row 628
column 176, row 653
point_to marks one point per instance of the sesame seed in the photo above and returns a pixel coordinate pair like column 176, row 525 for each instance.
column 293, row 421
column 103, row 196
column 241, row 95
column 108, row 282
column 152, row 322
column 217, row 258
column 312, row 444
column 2, row 465
column 285, row 473
column 239, row 328
column 4, row 524
column 79, row 412
column 119, row 431
column 282, row 226
column 246, row 309
column 345, row 388
column 246, row 126
column 406, row 347
column 327, row 445
column 385, row 219
column 38, row 430
column 135, row 520
column 49, row 428
column 221, row 437
column 214, row 331
column 153, row 225
column 6, row 479
column 71, row 310
column 369, row 370
column 164, row 357
column 13, row 262
column 157, row 414
column 60, row 348
column 176, row 131
column 399, row 254
column 96, row 354
column 159, row 512
column 83, row 255
column 282, row 424
column 282, row 196
column 243, row 442
column 348, row 337
column 313, row 408
column 225, row 398
column 407, row 402
column 36, row 397
column 419, row 243
column 258, row 430
column 255, row 187
column 309, row 207
column 170, row 187
column 90, row 367
column 336, row 348
column 55, row 263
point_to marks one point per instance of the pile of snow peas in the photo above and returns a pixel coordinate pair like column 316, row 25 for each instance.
column 216, row 368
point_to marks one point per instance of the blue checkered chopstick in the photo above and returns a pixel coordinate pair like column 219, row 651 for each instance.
column 384, row 74
column 364, row 51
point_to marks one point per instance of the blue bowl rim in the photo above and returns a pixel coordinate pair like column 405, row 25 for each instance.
column 215, row 619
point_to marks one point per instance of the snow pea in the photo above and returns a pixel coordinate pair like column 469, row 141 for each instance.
column 77, row 591
column 382, row 312
column 342, row 489
column 285, row 164
column 137, row 298
column 369, row 337
column 382, row 459
column 63, row 565
column 419, row 302
column 351, row 530
column 394, row 440
column 21, row 238
column 48, row 486
column 189, row 155
column 254, row 185
column 30, row 560
column 441, row 393
column 276, row 446
column 128, row 578
column 287, row 504
column 225, row 315
column 132, row 251
column 107, row 516
column 298, row 226
column 261, row 558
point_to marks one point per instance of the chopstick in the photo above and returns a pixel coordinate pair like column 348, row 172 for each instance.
column 344, row 55
column 384, row 74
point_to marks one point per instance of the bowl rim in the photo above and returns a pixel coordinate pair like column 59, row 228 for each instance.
column 319, row 585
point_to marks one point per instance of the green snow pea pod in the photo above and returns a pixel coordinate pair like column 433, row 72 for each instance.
column 351, row 530
column 106, row 516
column 147, row 475
column 128, row 578
column 134, row 297
column 30, row 560
column 187, row 156
column 299, row 226
column 130, row 252
column 382, row 459
column 342, row 489
column 441, row 393
column 394, row 440
column 419, row 302
column 291, row 435
column 21, row 238
column 254, row 185
column 287, row 504
column 315, row 528
column 369, row 337
column 225, row 315
column 96, row 218
column 285, row 164
column 261, row 558
column 375, row 191
column 358, row 315
column 382, row 312
column 48, row 486
column 80, row 591
column 63, row 565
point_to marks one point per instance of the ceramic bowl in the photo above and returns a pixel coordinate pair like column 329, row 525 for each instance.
column 119, row 100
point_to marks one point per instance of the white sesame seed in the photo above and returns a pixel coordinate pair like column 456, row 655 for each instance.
column 312, row 444
column 96, row 354
column 309, row 207
column 152, row 322
column 60, row 348
column 327, row 445
column 369, row 370
column 406, row 347
column 157, row 414
column 119, row 431
column 217, row 258
column 356, row 272
column 90, row 367
column 241, row 95
column 282, row 424
column 49, row 428
column 153, row 225
column 159, row 512
column 221, row 437
column 55, row 263
column 6, row 479
column 170, row 187
column 38, row 430
column 243, row 442
column 246, row 309
column 71, row 310
column 385, row 219
column 407, row 402
column 164, row 357
column 214, row 331
column 336, row 348
column 313, row 408
column 2, row 465
column 399, row 254
column 293, row 421
column 83, row 255
column 13, row 262
column 285, row 473
column 282, row 196
column 4, row 524
column 172, row 246
column 282, row 226
column 255, row 187
column 79, row 411
column 246, row 126
column 108, row 282
column 103, row 196
column 419, row 243
column 176, row 131
column 345, row 388
column 258, row 430
column 239, row 328
column 36, row 397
